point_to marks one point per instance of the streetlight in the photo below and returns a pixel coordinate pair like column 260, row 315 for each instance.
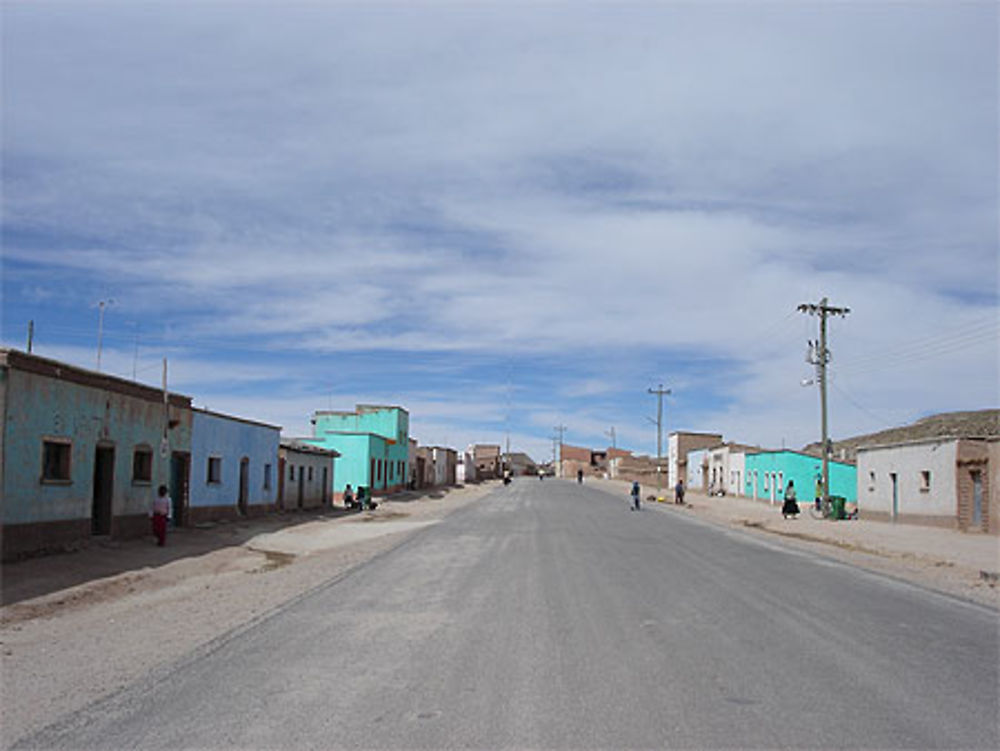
column 100, row 328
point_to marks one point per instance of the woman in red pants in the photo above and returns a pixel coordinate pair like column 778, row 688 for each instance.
column 159, row 513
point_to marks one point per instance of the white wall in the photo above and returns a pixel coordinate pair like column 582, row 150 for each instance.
column 876, row 465
column 735, row 476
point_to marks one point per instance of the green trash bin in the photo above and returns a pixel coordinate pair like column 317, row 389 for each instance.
column 837, row 503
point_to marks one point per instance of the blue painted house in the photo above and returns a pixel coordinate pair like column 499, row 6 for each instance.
column 82, row 454
column 767, row 474
column 373, row 442
column 234, row 466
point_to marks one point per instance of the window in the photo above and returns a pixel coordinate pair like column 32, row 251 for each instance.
column 310, row 474
column 781, row 481
column 56, row 460
column 142, row 465
column 267, row 477
column 767, row 479
column 291, row 472
column 925, row 481
column 214, row 470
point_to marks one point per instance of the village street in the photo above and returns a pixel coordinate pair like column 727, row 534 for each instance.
column 546, row 614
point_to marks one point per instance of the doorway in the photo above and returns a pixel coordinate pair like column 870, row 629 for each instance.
column 302, row 487
column 242, row 500
column 180, row 473
column 104, row 480
column 326, row 486
column 977, row 499
column 894, row 478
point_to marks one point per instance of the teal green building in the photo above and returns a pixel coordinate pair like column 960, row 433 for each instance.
column 767, row 473
column 373, row 442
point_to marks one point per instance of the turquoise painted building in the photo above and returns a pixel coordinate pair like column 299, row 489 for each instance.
column 373, row 442
column 767, row 473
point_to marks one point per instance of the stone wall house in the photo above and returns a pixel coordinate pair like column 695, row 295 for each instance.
column 486, row 458
column 305, row 475
column 445, row 466
column 374, row 446
column 83, row 453
column 574, row 459
column 944, row 481
column 234, row 466
column 679, row 444
column 767, row 474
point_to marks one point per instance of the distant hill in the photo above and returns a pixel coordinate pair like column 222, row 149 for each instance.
column 983, row 422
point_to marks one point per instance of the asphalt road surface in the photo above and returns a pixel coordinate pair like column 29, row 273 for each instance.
column 549, row 615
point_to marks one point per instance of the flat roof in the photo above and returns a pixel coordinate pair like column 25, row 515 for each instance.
column 235, row 418
column 919, row 441
column 297, row 444
column 32, row 363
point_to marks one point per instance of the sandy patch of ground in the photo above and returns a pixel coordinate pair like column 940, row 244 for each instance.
column 62, row 650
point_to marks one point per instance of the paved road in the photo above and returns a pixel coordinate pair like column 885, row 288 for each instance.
column 549, row 615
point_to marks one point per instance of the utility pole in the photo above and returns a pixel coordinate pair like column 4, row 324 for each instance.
column 611, row 434
column 560, row 429
column 660, row 391
column 820, row 357
column 31, row 334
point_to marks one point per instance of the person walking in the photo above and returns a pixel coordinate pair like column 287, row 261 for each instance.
column 679, row 492
column 790, row 508
column 159, row 513
column 579, row 476
column 635, row 496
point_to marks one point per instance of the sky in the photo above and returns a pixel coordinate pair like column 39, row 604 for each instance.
column 508, row 217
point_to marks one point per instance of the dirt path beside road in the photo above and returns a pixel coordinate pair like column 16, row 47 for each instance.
column 84, row 638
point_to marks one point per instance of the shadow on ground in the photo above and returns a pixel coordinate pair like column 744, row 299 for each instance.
column 101, row 557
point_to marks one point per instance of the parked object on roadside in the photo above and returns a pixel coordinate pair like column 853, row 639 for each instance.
column 635, row 496
column 790, row 508
column 679, row 492
column 159, row 513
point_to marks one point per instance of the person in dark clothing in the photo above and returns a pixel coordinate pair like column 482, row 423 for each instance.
column 635, row 496
column 579, row 476
column 790, row 508
column 679, row 492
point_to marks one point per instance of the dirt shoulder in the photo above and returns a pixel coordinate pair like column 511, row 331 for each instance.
column 77, row 627
column 962, row 564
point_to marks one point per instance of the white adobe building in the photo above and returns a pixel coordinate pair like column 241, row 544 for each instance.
column 939, row 481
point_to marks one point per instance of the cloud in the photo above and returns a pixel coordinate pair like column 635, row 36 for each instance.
column 605, row 196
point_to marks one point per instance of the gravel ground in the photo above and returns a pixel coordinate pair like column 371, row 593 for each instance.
column 71, row 646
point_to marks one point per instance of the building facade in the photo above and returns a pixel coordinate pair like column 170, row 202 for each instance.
column 767, row 473
column 234, row 466
column 486, row 460
column 445, row 465
column 937, row 481
column 305, row 475
column 82, row 454
column 679, row 444
column 374, row 446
